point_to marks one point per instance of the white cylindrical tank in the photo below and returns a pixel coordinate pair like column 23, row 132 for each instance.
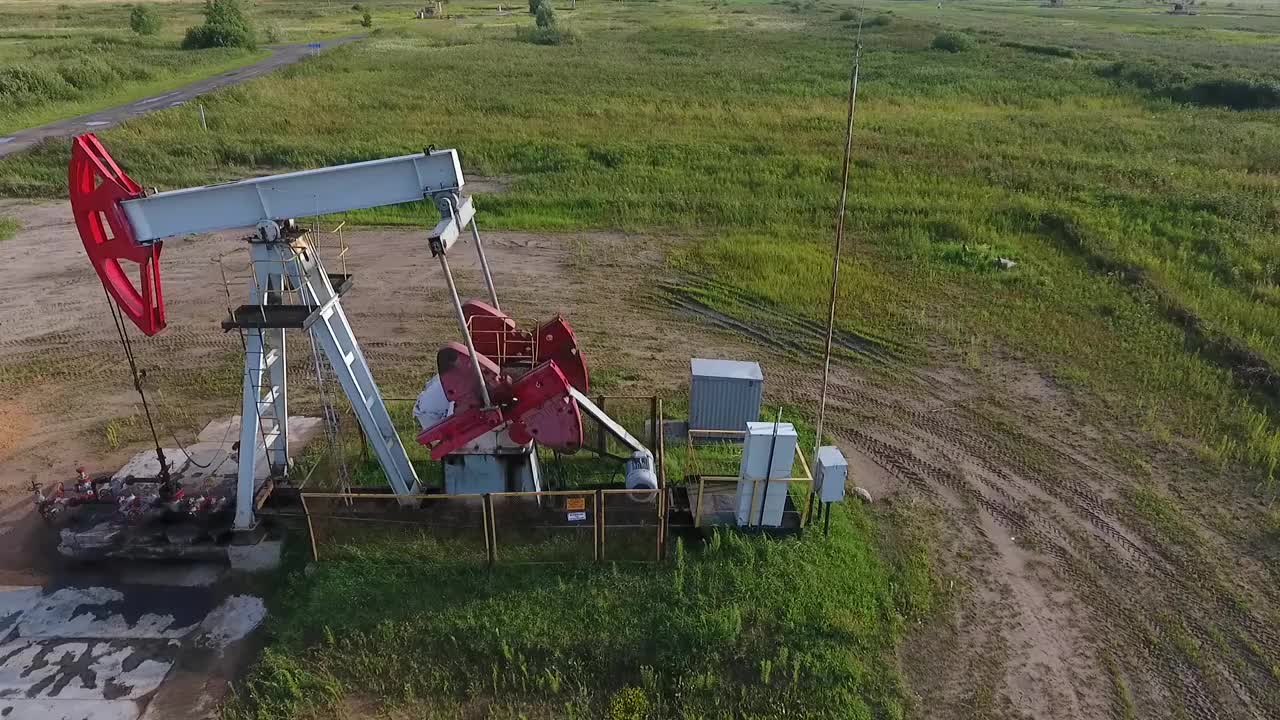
column 432, row 405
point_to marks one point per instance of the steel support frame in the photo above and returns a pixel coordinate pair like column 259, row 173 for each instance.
column 264, row 408
column 293, row 265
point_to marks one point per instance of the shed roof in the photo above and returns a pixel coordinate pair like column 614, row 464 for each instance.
column 830, row 456
column 731, row 369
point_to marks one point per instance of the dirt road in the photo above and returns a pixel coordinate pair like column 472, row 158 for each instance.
column 281, row 55
column 1086, row 571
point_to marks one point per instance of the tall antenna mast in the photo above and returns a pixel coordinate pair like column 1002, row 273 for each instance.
column 839, row 239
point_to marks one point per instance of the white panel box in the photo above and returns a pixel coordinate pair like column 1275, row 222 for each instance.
column 830, row 474
column 756, row 466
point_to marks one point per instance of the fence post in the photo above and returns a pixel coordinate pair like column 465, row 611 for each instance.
column 595, row 526
column 311, row 532
column 600, row 515
column 661, row 451
column 484, row 526
column 654, row 428
column 662, row 494
column 601, row 439
column 492, row 544
column 697, row 513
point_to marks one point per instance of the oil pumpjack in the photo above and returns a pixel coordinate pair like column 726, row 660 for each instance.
column 498, row 394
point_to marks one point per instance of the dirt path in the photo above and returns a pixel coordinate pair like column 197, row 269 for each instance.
column 1078, row 583
column 281, row 55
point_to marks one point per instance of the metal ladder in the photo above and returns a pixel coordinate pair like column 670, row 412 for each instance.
column 264, row 410
column 290, row 267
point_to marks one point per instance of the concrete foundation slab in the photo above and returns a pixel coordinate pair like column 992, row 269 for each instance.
column 69, row 709
column 145, row 465
column 98, row 612
column 259, row 557
column 84, row 669
column 129, row 652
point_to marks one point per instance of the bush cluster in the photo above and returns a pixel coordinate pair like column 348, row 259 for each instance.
column 85, row 73
column 546, row 30
column 952, row 42
column 1052, row 50
column 144, row 20
column 26, row 84
column 1179, row 85
column 225, row 25
column 545, row 16
column 23, row 85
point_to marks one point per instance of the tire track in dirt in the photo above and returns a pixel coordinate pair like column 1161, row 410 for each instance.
column 799, row 337
column 1181, row 643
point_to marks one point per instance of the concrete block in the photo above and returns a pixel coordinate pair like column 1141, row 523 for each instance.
column 146, row 465
column 259, row 557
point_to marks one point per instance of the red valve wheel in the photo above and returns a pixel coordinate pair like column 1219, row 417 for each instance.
column 96, row 186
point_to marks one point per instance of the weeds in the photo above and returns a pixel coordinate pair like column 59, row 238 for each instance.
column 8, row 227
column 760, row 625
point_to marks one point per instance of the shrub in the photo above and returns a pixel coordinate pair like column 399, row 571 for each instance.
column 545, row 17
column 225, row 25
column 144, row 20
column 1175, row 83
column 1234, row 93
column 85, row 73
column 847, row 15
column 24, row 84
column 952, row 42
column 366, row 20
column 629, row 703
column 357, row 8
column 213, row 36
column 1053, row 50
column 273, row 33
column 554, row 35
column 877, row 21
column 533, row 6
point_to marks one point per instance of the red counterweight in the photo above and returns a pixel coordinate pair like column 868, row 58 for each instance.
column 495, row 335
column 538, row 405
column 96, row 187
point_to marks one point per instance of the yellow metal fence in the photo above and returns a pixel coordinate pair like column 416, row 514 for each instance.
column 548, row 527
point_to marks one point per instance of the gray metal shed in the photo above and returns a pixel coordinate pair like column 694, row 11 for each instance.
column 724, row 394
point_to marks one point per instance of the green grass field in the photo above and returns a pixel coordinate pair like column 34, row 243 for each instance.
column 412, row 622
column 1147, row 283
column 63, row 60
column 1123, row 209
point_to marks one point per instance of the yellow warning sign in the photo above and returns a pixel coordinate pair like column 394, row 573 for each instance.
column 575, row 503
